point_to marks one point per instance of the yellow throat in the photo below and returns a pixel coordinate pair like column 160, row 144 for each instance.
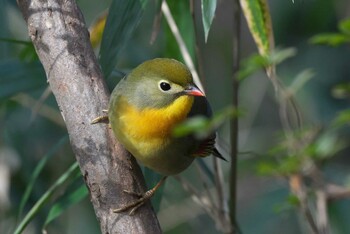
column 150, row 123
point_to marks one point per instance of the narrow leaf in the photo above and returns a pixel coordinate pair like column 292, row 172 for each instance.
column 183, row 22
column 300, row 80
column 70, row 198
column 329, row 145
column 258, row 18
column 344, row 26
column 277, row 56
column 122, row 20
column 252, row 64
column 343, row 118
column 16, row 76
column 96, row 29
column 72, row 170
column 28, row 52
column 257, row 62
column 341, row 90
column 37, row 171
column 331, row 39
column 208, row 12
column 192, row 125
column 202, row 126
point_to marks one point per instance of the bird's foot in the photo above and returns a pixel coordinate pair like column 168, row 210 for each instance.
column 143, row 198
column 101, row 119
column 133, row 206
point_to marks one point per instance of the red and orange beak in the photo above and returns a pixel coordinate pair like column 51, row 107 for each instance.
column 193, row 91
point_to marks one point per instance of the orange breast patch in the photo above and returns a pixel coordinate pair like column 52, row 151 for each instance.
column 151, row 123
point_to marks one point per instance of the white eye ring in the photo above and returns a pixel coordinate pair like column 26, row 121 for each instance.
column 164, row 86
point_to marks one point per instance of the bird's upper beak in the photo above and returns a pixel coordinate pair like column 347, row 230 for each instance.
column 194, row 91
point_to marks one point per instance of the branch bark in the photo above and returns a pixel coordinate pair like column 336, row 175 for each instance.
column 60, row 37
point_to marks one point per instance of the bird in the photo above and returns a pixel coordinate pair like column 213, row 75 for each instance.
column 145, row 107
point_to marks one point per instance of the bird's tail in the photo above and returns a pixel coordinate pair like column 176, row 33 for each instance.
column 217, row 154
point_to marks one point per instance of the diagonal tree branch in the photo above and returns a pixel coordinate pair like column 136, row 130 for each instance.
column 60, row 37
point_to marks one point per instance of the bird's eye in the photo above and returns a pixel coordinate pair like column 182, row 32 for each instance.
column 164, row 86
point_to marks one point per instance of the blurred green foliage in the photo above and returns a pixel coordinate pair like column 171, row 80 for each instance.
column 334, row 39
column 32, row 130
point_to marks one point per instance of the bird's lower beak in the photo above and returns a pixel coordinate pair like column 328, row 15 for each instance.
column 194, row 91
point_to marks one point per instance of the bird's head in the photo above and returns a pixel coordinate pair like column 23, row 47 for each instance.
column 159, row 82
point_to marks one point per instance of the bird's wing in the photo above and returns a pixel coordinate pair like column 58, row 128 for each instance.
column 207, row 147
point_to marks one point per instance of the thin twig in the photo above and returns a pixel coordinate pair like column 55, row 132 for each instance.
column 297, row 187
column 184, row 51
column 156, row 25
column 199, row 63
column 322, row 213
column 219, row 187
column 219, row 178
column 286, row 100
column 204, row 183
column 234, row 121
column 40, row 102
column 46, row 111
column 185, row 210
column 202, row 201
column 196, row 37
column 335, row 192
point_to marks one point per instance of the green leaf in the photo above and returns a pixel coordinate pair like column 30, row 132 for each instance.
column 70, row 198
column 257, row 62
column 343, row 118
column 37, row 171
column 27, row 53
column 14, row 41
column 279, row 164
column 202, row 126
column 258, row 18
column 267, row 168
column 122, row 20
column 334, row 39
column 291, row 202
column 72, row 170
column 300, row 80
column 289, row 165
column 195, row 124
column 182, row 16
column 16, row 76
column 208, row 13
column 277, row 56
column 344, row 26
column 331, row 39
column 251, row 65
column 342, row 90
column 328, row 145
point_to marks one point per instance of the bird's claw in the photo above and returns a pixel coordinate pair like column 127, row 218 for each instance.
column 100, row 119
column 133, row 206
column 133, row 193
column 143, row 198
